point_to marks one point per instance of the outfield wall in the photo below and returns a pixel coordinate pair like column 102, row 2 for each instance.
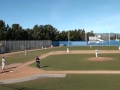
column 22, row 45
column 85, row 43
column 37, row 44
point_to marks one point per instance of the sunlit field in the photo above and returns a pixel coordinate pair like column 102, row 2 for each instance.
column 69, row 62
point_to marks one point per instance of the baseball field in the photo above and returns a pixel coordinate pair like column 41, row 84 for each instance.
column 77, row 70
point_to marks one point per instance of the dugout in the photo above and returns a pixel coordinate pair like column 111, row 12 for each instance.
column 3, row 48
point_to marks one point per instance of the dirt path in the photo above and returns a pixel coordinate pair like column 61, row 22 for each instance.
column 23, row 70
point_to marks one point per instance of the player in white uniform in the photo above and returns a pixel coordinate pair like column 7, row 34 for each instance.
column 68, row 50
column 26, row 52
column 96, row 52
column 3, row 63
column 119, row 47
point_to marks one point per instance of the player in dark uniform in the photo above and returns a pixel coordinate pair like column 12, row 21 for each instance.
column 38, row 62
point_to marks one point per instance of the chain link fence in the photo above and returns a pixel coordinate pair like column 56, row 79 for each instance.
column 19, row 45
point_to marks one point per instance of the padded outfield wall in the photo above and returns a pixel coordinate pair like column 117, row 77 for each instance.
column 85, row 43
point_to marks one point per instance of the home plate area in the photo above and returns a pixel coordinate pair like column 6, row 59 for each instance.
column 10, row 68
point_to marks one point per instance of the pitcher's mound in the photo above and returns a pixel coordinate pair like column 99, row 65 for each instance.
column 100, row 59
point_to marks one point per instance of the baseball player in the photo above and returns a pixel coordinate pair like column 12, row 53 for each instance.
column 119, row 47
column 38, row 62
column 3, row 62
column 96, row 52
column 68, row 50
column 26, row 52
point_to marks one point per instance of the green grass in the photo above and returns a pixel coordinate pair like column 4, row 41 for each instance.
column 69, row 62
column 79, row 62
column 70, row 82
column 94, row 47
column 88, row 48
column 20, row 58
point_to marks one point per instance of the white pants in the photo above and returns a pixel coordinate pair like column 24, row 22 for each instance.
column 25, row 53
column 67, row 50
column 3, row 65
column 96, row 54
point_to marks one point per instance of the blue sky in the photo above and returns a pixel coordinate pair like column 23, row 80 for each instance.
column 97, row 15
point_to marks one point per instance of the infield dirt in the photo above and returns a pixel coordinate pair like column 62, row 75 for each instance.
column 23, row 70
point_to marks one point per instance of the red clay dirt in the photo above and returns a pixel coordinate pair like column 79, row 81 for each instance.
column 98, row 59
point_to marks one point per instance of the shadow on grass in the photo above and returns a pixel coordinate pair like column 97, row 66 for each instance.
column 15, row 87
column 44, row 66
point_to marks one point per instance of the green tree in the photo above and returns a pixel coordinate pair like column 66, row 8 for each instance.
column 40, row 32
column 63, row 36
column 2, row 30
column 51, row 32
column 36, row 32
column 44, row 32
column 17, row 32
column 30, row 34
column 8, row 32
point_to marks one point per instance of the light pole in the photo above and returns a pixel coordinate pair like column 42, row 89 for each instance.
column 109, row 34
column 85, row 36
column 116, row 35
column 97, row 25
column 85, row 32
column 68, row 37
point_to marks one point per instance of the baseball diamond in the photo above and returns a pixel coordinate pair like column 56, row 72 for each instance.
column 20, row 70
column 26, row 71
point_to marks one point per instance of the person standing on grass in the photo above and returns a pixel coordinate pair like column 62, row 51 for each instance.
column 96, row 52
column 68, row 50
column 3, row 62
column 26, row 52
column 38, row 62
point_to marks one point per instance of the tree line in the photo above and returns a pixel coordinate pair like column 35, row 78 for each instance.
column 40, row 32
